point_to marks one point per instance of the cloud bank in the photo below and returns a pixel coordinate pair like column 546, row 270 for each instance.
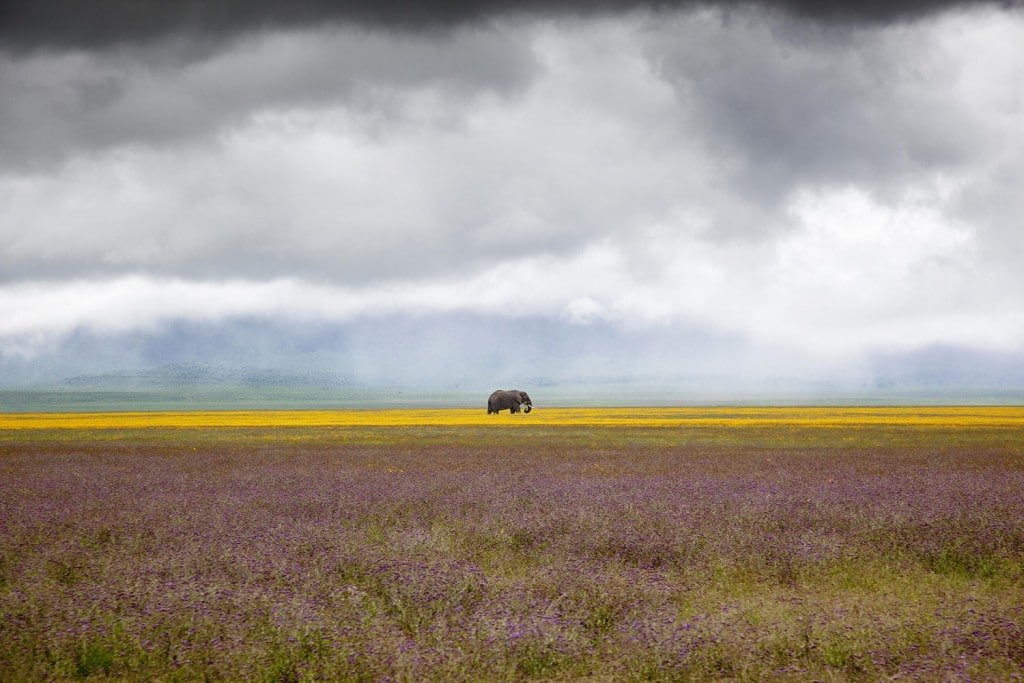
column 828, row 182
column 67, row 23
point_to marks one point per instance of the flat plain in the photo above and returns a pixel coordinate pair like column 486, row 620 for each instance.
column 617, row 544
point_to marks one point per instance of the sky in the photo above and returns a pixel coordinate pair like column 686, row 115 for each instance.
column 725, row 197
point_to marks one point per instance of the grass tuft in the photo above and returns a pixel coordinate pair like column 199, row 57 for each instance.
column 92, row 659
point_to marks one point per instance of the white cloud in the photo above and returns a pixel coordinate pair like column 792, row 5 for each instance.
column 582, row 311
column 852, row 275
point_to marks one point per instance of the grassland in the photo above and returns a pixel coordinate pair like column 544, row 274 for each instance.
column 633, row 544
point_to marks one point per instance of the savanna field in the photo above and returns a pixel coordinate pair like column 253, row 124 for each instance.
column 597, row 544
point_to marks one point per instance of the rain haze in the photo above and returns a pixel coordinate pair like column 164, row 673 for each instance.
column 602, row 203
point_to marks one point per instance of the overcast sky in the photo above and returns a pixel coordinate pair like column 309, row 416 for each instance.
column 499, row 190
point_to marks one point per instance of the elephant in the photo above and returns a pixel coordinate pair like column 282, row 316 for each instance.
column 509, row 399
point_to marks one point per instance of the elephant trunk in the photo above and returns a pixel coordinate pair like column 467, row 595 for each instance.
column 528, row 407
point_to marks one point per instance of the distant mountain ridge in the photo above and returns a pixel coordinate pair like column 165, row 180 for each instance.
column 208, row 375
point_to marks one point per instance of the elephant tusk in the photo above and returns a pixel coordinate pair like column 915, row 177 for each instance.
column 528, row 408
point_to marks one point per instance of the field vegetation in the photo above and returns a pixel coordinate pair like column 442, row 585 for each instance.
column 801, row 544
column 801, row 416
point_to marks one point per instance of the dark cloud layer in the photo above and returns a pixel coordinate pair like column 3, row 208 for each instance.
column 792, row 105
column 100, row 23
column 56, row 105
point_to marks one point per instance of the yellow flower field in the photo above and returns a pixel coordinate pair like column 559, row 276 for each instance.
column 940, row 416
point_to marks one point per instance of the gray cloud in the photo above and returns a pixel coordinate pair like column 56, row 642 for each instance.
column 791, row 103
column 396, row 181
column 68, row 23
column 357, row 157
column 751, row 175
column 57, row 105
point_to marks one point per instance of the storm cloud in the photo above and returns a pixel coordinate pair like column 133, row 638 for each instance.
column 59, row 104
column 807, row 180
column 71, row 24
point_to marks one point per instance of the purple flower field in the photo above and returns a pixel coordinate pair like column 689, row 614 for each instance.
column 607, row 554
